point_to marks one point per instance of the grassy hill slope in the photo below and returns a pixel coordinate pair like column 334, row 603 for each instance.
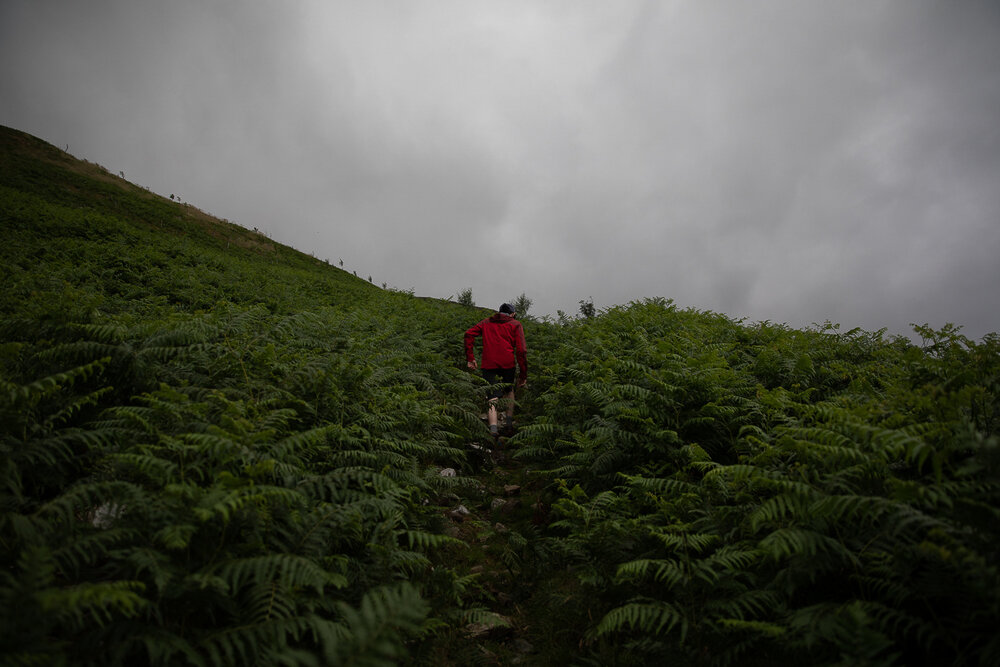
column 82, row 238
column 218, row 450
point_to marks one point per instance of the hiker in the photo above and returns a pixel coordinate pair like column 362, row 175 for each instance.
column 503, row 345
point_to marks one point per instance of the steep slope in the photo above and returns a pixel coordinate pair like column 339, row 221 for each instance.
column 80, row 237
column 215, row 449
column 218, row 450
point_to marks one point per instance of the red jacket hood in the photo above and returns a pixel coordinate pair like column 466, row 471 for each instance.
column 500, row 318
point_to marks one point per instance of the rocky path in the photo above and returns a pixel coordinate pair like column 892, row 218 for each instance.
column 500, row 515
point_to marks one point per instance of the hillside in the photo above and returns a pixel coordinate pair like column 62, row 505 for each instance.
column 219, row 450
column 87, row 239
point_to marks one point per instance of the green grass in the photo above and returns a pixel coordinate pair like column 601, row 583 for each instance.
column 216, row 450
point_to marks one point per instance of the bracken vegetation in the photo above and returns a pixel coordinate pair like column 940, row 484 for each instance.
column 215, row 450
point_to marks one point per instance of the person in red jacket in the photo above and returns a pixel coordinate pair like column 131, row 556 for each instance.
column 503, row 345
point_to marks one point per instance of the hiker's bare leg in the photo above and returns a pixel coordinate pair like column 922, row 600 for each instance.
column 491, row 413
column 510, row 406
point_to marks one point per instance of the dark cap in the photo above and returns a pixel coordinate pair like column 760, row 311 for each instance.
column 507, row 308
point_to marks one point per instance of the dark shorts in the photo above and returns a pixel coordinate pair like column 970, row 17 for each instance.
column 501, row 379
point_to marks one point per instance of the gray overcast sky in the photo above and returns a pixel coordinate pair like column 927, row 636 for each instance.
column 779, row 159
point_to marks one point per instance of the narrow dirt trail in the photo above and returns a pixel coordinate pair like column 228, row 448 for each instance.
column 500, row 517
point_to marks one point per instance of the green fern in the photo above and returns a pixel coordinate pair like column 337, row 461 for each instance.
column 646, row 616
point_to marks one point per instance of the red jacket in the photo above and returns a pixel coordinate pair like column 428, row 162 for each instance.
column 503, row 343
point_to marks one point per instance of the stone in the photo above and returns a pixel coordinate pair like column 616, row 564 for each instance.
column 511, row 489
column 477, row 629
column 106, row 515
column 448, row 472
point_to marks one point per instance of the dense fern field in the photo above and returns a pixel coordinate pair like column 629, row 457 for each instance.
column 216, row 450
column 758, row 495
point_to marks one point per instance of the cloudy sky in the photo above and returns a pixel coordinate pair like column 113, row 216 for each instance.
column 777, row 160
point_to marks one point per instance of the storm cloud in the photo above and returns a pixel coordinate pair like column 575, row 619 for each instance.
column 777, row 160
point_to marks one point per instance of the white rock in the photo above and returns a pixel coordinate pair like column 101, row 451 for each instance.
column 105, row 515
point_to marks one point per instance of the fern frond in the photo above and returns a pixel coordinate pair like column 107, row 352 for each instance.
column 661, row 486
column 154, row 468
column 853, row 509
column 84, row 497
column 777, row 509
column 264, row 642
column 684, row 542
column 802, row 543
column 50, row 384
column 408, row 561
column 73, row 408
column 667, row 572
column 93, row 602
column 732, row 558
column 286, row 569
column 485, row 616
column 376, row 629
column 224, row 503
column 86, row 549
column 426, row 541
column 648, row 616
column 747, row 605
